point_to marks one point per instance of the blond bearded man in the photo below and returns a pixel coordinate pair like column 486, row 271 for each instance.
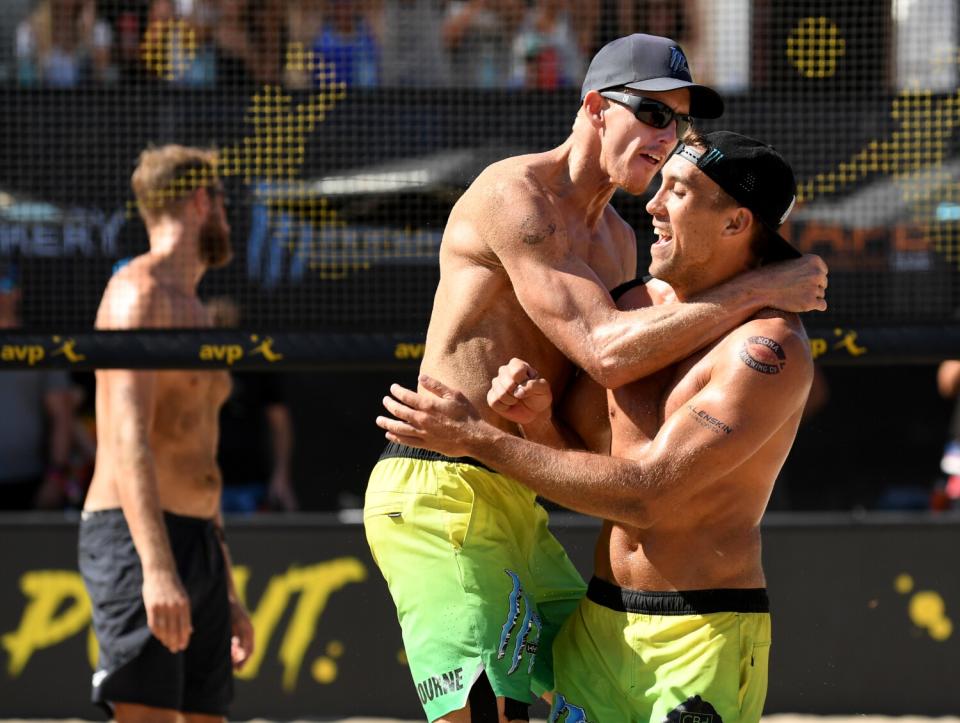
column 152, row 550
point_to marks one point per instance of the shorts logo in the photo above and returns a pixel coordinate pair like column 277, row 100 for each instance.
column 525, row 642
column 99, row 677
column 693, row 710
column 438, row 685
column 563, row 711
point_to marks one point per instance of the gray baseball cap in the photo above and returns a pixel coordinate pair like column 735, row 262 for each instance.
column 649, row 62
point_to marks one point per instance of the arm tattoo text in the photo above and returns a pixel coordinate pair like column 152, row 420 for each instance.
column 708, row 421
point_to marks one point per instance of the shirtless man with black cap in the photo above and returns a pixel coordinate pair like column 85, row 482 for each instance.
column 527, row 260
column 675, row 625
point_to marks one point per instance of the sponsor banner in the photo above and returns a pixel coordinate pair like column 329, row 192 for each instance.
column 284, row 350
column 865, row 618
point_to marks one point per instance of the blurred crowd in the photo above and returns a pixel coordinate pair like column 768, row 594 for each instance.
column 534, row 44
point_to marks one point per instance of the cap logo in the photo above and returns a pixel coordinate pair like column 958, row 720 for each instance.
column 714, row 154
column 786, row 213
column 678, row 61
column 699, row 159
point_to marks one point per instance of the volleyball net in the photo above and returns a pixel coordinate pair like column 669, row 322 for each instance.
column 346, row 131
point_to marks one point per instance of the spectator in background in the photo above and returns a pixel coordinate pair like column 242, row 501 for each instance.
column 63, row 43
column 478, row 35
column 669, row 18
column 37, row 424
column 14, row 12
column 303, row 24
column 249, row 36
column 547, row 50
column 410, row 35
column 948, row 383
column 256, row 434
column 348, row 48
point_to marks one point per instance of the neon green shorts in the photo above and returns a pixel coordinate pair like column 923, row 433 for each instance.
column 479, row 582
column 629, row 656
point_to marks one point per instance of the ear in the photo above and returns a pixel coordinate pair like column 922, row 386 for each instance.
column 202, row 202
column 741, row 221
column 593, row 105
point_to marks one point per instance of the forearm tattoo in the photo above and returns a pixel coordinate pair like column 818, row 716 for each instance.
column 763, row 354
column 708, row 421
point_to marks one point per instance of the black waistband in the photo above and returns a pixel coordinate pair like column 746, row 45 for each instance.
column 680, row 602
column 115, row 516
column 401, row 450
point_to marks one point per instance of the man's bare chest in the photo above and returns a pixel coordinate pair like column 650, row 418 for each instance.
column 189, row 402
column 638, row 410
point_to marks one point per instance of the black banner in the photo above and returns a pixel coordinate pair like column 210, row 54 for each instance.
column 865, row 612
column 281, row 351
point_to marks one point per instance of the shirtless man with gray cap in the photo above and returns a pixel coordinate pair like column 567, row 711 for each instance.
column 527, row 260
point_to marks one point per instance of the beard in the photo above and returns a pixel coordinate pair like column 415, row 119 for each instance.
column 214, row 246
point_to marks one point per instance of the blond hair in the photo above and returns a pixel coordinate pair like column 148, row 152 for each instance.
column 166, row 175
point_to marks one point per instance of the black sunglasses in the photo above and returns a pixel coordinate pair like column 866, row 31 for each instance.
column 650, row 111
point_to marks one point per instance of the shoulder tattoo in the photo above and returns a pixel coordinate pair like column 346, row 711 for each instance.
column 763, row 354
column 540, row 232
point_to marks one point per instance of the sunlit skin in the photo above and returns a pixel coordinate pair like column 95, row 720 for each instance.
column 634, row 152
column 688, row 210
column 532, row 248
column 157, row 430
column 694, row 447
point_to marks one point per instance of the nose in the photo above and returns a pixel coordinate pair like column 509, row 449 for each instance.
column 655, row 204
column 667, row 137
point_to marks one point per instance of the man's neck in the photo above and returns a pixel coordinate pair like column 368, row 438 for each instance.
column 590, row 188
column 175, row 258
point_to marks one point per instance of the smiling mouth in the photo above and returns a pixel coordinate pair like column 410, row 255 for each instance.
column 652, row 159
column 664, row 236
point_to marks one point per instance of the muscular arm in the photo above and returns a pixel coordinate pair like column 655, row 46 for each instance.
column 565, row 298
column 129, row 405
column 710, row 435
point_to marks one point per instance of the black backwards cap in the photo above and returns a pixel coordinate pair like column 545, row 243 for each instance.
column 755, row 175
column 649, row 62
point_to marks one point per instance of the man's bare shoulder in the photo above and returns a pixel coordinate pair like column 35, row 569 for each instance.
column 509, row 189
column 134, row 299
column 771, row 343
column 506, row 207
column 651, row 292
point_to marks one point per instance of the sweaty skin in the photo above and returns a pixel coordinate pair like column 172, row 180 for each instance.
column 158, row 430
column 532, row 247
column 172, row 414
column 711, row 434
column 685, row 471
